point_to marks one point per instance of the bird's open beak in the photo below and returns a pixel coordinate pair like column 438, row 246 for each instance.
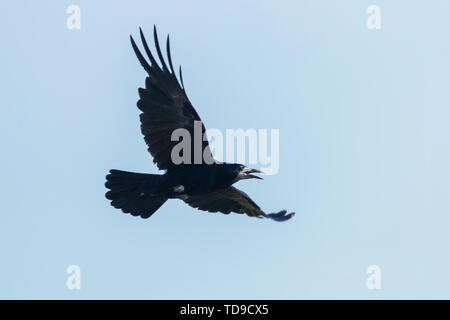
column 246, row 173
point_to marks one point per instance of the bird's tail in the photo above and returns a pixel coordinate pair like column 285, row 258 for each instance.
column 125, row 192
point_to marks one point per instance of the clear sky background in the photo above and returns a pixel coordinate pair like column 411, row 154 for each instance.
column 364, row 149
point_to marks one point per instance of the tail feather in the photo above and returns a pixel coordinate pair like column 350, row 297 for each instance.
column 125, row 192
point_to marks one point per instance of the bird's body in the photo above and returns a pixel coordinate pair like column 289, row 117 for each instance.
column 206, row 185
column 188, row 181
column 197, row 179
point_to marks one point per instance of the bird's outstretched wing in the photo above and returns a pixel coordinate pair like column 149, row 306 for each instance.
column 165, row 107
column 232, row 200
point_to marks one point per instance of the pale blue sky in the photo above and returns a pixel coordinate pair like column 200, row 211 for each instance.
column 364, row 149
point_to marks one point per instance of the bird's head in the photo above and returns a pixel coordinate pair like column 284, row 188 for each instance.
column 243, row 172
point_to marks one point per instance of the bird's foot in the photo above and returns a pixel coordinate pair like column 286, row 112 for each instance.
column 281, row 216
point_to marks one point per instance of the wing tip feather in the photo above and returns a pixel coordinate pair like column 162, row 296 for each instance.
column 280, row 216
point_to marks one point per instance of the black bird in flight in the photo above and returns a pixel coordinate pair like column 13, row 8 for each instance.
column 206, row 185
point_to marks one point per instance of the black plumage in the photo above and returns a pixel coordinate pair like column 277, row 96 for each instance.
column 202, row 183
